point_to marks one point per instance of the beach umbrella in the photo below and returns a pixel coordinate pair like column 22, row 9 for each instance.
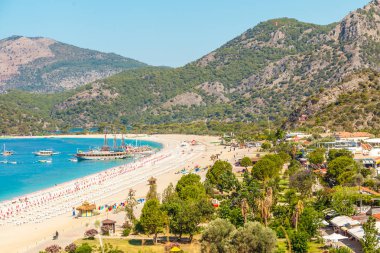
column 334, row 237
column 175, row 249
column 325, row 223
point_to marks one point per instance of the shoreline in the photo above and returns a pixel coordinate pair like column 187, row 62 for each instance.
column 44, row 218
column 63, row 184
column 72, row 136
column 76, row 180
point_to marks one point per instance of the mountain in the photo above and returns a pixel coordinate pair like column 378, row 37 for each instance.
column 351, row 105
column 268, row 72
column 45, row 65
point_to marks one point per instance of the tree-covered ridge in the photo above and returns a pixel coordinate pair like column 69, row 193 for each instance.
column 26, row 113
column 266, row 73
column 354, row 108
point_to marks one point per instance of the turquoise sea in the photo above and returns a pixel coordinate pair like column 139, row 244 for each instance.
column 29, row 175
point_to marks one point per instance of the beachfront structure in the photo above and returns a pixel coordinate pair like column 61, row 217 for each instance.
column 358, row 231
column 355, row 136
column 86, row 209
column 297, row 135
column 375, row 142
column 344, row 221
column 349, row 145
column 110, row 224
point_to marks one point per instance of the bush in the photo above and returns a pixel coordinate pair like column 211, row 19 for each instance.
column 246, row 162
column 53, row 249
column 126, row 231
column 299, row 241
column 84, row 248
column 71, row 248
column 266, row 146
column 90, row 234
column 105, row 230
column 340, row 250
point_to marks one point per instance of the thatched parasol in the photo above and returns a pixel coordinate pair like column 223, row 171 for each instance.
column 86, row 207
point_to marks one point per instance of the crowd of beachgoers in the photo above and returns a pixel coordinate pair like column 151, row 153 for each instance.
column 63, row 198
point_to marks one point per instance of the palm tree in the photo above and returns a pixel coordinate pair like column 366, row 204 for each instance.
column 264, row 204
column 297, row 213
column 244, row 209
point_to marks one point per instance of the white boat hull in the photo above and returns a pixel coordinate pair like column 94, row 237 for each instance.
column 84, row 157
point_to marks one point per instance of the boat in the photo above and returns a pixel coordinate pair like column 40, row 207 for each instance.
column 74, row 160
column 46, row 152
column 6, row 152
column 45, row 161
column 105, row 152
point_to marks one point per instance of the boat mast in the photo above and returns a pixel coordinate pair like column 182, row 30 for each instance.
column 114, row 141
column 122, row 140
column 105, row 138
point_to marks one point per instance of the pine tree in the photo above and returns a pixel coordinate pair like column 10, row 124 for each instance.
column 370, row 239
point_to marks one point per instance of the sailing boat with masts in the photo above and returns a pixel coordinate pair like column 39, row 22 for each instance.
column 6, row 152
column 105, row 152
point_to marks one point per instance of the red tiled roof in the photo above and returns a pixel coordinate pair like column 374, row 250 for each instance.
column 353, row 135
column 365, row 189
column 376, row 216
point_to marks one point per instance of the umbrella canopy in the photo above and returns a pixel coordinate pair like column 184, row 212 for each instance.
column 334, row 237
column 86, row 207
column 175, row 249
column 325, row 223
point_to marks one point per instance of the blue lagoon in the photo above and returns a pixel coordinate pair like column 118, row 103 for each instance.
column 22, row 172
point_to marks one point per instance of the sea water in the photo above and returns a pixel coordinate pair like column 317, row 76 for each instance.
column 22, row 173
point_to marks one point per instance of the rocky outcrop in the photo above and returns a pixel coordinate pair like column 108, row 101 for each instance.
column 215, row 89
column 186, row 99
column 46, row 65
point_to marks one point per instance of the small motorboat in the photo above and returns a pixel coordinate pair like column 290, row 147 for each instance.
column 74, row 160
column 45, row 161
column 45, row 153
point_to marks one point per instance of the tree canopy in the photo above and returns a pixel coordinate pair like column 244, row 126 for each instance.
column 152, row 218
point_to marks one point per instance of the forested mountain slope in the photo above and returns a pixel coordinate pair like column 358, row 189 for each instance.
column 268, row 72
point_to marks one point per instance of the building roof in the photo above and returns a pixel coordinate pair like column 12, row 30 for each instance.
column 366, row 146
column 343, row 220
column 367, row 190
column 358, row 231
column 86, row 207
column 108, row 221
column 353, row 135
column 374, row 140
column 376, row 215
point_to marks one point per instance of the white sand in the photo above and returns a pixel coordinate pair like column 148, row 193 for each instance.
column 32, row 237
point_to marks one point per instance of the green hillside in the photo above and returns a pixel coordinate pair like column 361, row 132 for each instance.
column 356, row 109
column 265, row 74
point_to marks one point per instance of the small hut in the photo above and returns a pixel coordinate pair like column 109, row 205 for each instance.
column 152, row 181
column 110, row 224
column 86, row 209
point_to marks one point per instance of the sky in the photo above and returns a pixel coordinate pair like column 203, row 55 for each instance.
column 158, row 32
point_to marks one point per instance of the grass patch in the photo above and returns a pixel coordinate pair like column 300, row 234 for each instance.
column 314, row 247
column 134, row 245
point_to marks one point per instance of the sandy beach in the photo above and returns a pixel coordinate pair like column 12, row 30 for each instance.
column 31, row 229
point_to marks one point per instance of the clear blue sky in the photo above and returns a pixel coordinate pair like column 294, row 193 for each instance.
column 158, row 32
